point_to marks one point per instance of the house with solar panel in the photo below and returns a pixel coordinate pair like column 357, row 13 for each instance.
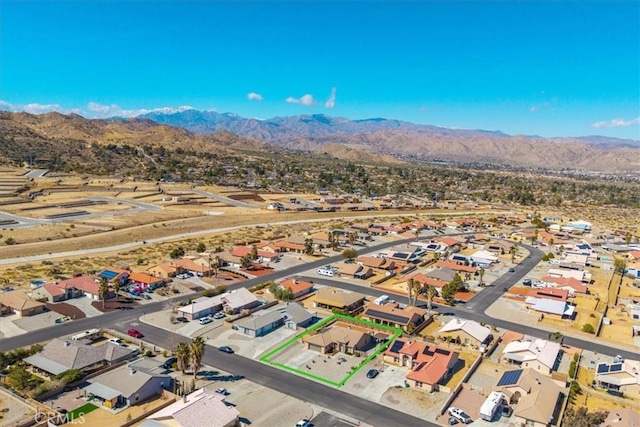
column 429, row 367
column 539, row 398
column 620, row 377
column 112, row 274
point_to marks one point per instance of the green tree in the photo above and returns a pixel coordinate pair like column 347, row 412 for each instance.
column 177, row 252
column 201, row 247
column 245, row 261
column 196, row 353
column 430, row 292
column 117, row 285
column 308, row 246
column 349, row 253
column 588, row 328
column 103, row 290
column 415, row 291
column 19, row 378
column 183, row 355
column 619, row 265
column 481, row 274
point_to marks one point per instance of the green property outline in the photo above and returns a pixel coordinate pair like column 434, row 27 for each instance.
column 396, row 333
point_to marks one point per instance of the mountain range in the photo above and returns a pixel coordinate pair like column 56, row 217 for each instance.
column 418, row 142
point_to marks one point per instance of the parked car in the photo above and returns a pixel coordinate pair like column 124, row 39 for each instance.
column 511, row 270
column 226, row 349
column 116, row 341
column 223, row 391
column 219, row 315
column 460, row 415
column 304, row 423
column 453, row 421
column 372, row 373
column 134, row 333
column 527, row 282
column 182, row 319
column 169, row 362
column 205, row 320
column 145, row 296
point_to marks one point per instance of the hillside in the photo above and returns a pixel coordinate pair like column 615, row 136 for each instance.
column 418, row 142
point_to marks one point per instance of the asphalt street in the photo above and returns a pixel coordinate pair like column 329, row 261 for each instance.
column 302, row 388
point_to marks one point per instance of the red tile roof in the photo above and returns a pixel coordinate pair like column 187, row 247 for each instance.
column 426, row 280
column 431, row 362
column 82, row 283
column 575, row 284
column 550, row 293
column 297, row 286
column 456, row 266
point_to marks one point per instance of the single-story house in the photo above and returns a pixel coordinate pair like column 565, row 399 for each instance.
column 18, row 302
column 622, row 417
column 392, row 314
column 264, row 256
column 429, row 365
column 354, row 270
column 260, row 323
column 232, row 301
column 581, row 275
column 127, row 386
column 425, row 280
column 79, row 286
column 298, row 287
column 483, row 258
column 549, row 293
column 339, row 338
column 457, row 267
column 539, row 397
column 145, row 280
column 467, row 332
column 443, row 274
column 164, row 270
column 199, row 266
column 296, row 316
column 112, row 274
column 620, row 377
column 337, row 299
column 378, row 263
column 48, row 292
column 60, row 355
column 200, row 405
column 549, row 306
column 568, row 284
column 539, row 355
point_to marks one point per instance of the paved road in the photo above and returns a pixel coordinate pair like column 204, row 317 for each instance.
column 223, row 199
column 299, row 387
column 476, row 312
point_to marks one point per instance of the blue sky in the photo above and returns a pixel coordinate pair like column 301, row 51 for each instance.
column 550, row 68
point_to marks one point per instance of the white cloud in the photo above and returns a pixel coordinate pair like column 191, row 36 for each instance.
column 94, row 110
column 331, row 102
column 253, row 96
column 35, row 108
column 539, row 106
column 423, row 108
column 306, row 100
column 616, row 123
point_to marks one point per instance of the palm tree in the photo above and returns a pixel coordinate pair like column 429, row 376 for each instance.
column 481, row 274
column 196, row 352
column 417, row 233
column 183, row 356
column 430, row 292
column 417, row 290
column 103, row 290
column 216, row 265
column 308, row 246
column 116, row 288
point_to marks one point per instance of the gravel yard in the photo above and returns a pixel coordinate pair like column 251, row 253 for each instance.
column 13, row 411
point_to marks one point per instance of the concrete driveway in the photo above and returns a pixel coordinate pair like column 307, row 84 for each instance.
column 247, row 346
column 374, row 389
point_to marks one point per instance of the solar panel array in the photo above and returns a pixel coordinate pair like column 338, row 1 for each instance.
column 603, row 368
column 397, row 345
column 108, row 274
column 510, row 378
column 615, row 368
